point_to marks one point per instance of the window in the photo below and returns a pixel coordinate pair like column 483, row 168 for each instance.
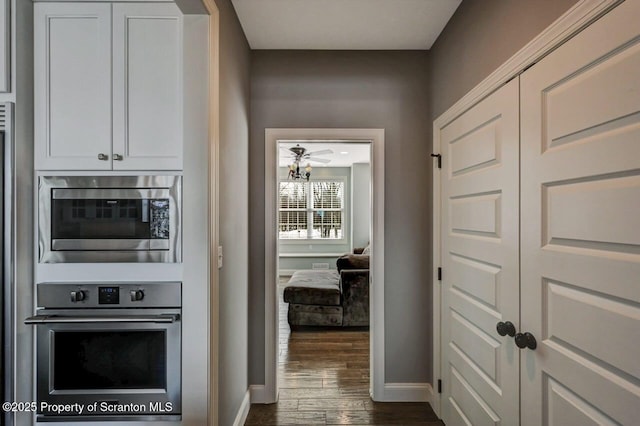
column 311, row 210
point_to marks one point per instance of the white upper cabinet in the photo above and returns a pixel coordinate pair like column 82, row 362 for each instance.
column 108, row 86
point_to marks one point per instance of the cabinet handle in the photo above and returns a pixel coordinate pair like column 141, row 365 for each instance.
column 103, row 157
column 118, row 157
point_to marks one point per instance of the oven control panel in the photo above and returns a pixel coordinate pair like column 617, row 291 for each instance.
column 108, row 295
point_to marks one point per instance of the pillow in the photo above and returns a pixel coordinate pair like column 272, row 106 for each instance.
column 353, row 261
column 367, row 250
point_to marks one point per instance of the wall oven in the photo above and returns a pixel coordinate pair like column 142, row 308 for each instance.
column 108, row 351
column 109, row 219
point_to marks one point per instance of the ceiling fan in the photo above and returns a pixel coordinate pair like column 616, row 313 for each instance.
column 299, row 153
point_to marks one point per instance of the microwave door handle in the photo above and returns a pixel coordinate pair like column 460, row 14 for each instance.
column 53, row 319
column 145, row 210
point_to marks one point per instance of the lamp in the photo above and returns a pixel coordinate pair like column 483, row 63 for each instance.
column 294, row 171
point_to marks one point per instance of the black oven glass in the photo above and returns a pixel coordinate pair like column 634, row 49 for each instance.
column 110, row 360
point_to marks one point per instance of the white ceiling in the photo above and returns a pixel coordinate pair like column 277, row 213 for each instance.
column 344, row 154
column 344, row 24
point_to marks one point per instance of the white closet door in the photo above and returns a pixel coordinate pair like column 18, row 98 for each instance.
column 581, row 228
column 480, row 369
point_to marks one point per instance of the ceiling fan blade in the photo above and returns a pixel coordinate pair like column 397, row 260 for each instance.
column 319, row 160
column 323, row 152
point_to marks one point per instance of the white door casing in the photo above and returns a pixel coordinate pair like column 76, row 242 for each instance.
column 479, row 229
column 580, row 114
column 379, row 390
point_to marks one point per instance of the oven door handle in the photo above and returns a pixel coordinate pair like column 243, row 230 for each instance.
column 56, row 319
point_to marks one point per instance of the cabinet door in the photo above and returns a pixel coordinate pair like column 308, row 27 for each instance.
column 480, row 239
column 581, row 227
column 147, row 86
column 72, row 86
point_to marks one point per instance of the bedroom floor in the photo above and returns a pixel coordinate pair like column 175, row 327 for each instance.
column 324, row 380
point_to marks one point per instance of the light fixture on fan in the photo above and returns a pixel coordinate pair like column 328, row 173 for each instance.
column 295, row 174
column 299, row 153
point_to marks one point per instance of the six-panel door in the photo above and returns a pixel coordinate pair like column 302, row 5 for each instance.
column 480, row 156
column 581, row 228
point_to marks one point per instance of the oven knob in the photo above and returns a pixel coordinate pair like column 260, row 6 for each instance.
column 77, row 296
column 137, row 295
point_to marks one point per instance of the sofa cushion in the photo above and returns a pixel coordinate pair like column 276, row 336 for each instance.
column 313, row 288
column 353, row 261
column 314, row 315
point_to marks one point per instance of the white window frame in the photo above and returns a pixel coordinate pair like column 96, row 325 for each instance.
column 310, row 210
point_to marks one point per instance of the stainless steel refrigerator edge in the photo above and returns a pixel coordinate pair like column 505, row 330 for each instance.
column 7, row 256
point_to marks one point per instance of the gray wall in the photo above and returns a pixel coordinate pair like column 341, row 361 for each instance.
column 480, row 37
column 361, row 204
column 233, row 205
column 328, row 89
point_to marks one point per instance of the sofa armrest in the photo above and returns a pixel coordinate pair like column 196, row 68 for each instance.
column 352, row 261
column 354, row 286
column 358, row 250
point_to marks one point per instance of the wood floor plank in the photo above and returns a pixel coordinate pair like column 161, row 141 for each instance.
column 331, row 404
column 373, row 418
column 287, row 418
column 309, row 393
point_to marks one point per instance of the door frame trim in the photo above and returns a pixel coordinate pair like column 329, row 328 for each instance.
column 269, row 394
column 581, row 15
column 213, row 177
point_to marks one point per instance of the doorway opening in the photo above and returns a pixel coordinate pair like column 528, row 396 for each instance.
column 325, row 203
column 324, row 230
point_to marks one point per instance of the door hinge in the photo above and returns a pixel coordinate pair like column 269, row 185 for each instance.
column 439, row 386
column 439, row 157
column 439, row 274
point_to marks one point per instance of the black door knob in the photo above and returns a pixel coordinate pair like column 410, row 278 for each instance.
column 526, row 340
column 505, row 328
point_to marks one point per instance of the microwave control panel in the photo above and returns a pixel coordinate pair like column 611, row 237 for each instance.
column 160, row 219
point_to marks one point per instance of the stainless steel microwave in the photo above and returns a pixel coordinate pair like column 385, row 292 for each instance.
column 92, row 219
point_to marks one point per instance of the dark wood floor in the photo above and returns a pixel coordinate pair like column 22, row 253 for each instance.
column 324, row 380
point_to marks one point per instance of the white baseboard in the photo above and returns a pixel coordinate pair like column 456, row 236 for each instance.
column 408, row 392
column 259, row 395
column 243, row 411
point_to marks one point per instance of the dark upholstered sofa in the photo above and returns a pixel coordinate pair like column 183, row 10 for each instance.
column 329, row 297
